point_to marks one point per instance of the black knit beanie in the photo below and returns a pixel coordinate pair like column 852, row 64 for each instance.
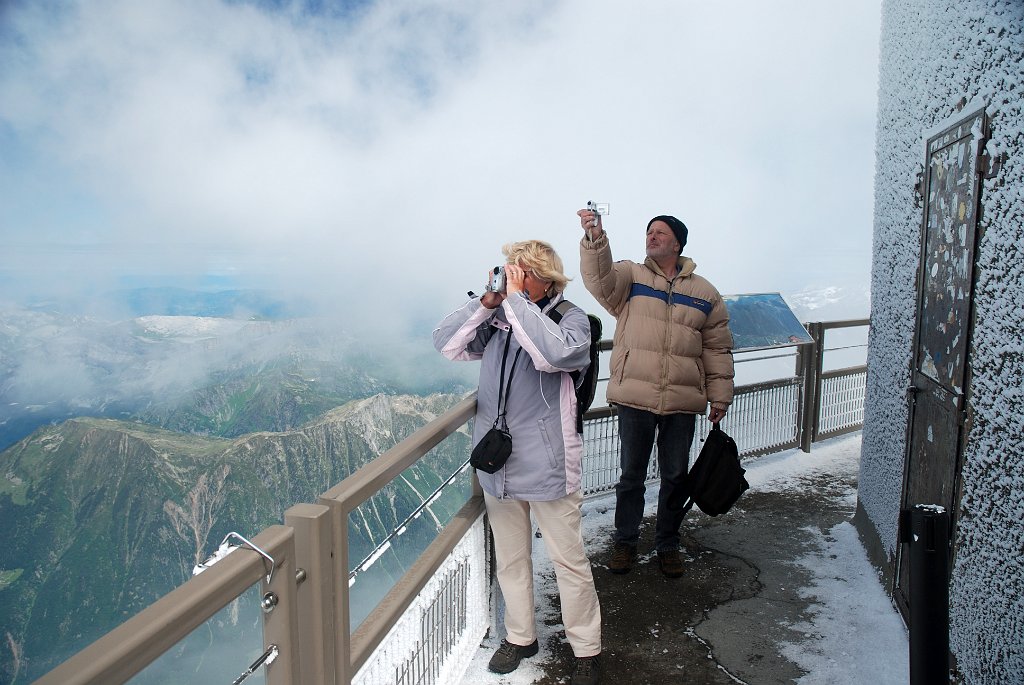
column 677, row 226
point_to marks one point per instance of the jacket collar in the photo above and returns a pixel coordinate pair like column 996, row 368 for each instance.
column 547, row 303
column 684, row 265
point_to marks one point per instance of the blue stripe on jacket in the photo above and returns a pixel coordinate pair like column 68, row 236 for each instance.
column 639, row 289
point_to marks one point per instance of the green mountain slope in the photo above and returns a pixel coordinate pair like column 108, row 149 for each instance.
column 277, row 395
column 102, row 517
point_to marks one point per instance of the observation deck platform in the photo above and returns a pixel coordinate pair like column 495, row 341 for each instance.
column 778, row 590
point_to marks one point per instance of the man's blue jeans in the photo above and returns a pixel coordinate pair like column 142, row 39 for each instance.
column 637, row 430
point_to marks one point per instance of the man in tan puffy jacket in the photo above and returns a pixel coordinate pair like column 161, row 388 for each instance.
column 672, row 356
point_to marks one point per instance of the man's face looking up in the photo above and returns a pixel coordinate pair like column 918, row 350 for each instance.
column 661, row 242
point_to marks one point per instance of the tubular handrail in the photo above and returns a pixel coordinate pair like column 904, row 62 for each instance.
column 846, row 371
column 766, row 385
column 845, row 323
column 364, row 483
column 136, row 643
column 425, row 504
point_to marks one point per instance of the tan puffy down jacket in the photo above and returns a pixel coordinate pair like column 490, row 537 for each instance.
column 671, row 354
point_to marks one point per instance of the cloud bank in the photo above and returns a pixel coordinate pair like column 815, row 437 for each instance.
column 375, row 156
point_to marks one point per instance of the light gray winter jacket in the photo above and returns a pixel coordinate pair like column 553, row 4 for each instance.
column 547, row 452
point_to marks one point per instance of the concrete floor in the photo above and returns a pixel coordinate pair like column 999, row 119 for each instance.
column 725, row 620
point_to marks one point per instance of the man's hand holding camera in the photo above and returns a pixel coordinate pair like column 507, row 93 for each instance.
column 590, row 218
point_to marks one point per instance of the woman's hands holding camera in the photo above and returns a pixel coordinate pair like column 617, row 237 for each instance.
column 515, row 279
column 491, row 299
column 515, row 282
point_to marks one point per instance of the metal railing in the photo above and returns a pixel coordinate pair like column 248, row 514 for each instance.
column 430, row 622
column 352, row 650
column 309, row 560
column 842, row 405
column 824, row 391
column 129, row 648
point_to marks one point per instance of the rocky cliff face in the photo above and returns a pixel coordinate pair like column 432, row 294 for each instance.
column 102, row 517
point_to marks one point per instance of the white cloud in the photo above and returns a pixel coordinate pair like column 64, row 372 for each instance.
column 396, row 149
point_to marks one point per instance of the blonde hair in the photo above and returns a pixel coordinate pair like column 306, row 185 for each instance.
column 541, row 258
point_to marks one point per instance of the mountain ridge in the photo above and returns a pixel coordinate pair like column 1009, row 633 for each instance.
column 212, row 376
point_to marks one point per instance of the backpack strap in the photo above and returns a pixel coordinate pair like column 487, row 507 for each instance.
column 558, row 311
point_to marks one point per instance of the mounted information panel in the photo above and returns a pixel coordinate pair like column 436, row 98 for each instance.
column 762, row 321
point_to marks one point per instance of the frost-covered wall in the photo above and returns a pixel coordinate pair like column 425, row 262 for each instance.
column 934, row 53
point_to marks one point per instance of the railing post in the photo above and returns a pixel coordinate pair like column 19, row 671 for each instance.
column 281, row 617
column 803, row 372
column 343, row 671
column 818, row 333
column 316, row 591
column 809, row 362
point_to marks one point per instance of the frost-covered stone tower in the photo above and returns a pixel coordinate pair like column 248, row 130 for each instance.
column 944, row 421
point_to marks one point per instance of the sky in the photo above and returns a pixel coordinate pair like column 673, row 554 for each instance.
column 380, row 151
column 853, row 633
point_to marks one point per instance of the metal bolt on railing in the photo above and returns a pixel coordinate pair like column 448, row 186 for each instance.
column 268, row 602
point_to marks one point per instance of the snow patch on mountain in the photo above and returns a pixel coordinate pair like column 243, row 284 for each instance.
column 185, row 327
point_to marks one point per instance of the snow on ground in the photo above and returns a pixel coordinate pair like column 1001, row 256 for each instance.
column 855, row 636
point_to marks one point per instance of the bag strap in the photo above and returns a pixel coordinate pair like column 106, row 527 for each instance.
column 555, row 314
column 503, row 392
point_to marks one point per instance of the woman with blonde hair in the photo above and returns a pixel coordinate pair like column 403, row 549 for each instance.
column 525, row 384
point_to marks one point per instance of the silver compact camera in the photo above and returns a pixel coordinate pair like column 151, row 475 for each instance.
column 496, row 284
column 600, row 208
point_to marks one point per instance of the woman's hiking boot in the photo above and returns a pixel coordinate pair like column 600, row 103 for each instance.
column 587, row 670
column 507, row 657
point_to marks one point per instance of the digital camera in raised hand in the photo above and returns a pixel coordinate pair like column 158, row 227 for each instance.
column 496, row 284
column 599, row 208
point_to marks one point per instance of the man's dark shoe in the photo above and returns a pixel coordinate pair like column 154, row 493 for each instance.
column 587, row 670
column 623, row 556
column 507, row 657
column 671, row 563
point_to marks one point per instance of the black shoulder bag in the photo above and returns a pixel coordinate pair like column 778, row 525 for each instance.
column 493, row 450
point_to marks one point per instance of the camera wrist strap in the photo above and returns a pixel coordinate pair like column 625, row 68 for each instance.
column 507, row 387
